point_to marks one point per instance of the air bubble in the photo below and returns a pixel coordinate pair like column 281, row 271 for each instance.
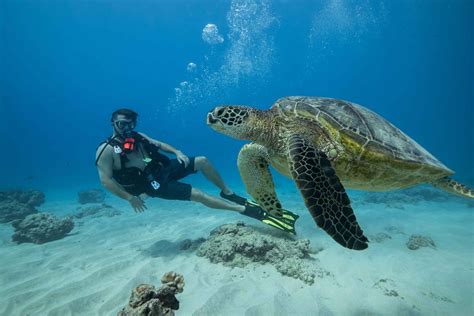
column 191, row 67
column 210, row 34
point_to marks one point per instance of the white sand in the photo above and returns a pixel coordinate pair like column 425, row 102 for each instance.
column 92, row 271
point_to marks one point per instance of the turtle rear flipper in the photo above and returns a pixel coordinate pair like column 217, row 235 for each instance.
column 323, row 193
column 452, row 186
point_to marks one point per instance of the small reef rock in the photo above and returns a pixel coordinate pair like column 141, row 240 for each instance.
column 32, row 198
column 94, row 211
column 11, row 210
column 91, row 196
column 387, row 286
column 238, row 245
column 146, row 300
column 380, row 237
column 417, row 241
column 17, row 204
column 40, row 228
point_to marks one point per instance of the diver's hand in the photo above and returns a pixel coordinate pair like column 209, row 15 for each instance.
column 182, row 158
column 137, row 204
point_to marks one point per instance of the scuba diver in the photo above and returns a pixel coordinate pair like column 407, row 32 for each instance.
column 130, row 165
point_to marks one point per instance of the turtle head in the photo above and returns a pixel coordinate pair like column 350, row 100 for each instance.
column 233, row 120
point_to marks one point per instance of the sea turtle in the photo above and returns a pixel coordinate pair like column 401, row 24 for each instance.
column 324, row 145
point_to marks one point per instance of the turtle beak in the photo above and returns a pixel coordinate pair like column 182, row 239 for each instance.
column 211, row 119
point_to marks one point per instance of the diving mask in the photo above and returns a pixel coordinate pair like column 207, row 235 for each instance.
column 125, row 124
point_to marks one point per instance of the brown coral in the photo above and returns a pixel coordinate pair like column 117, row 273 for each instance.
column 173, row 280
column 146, row 300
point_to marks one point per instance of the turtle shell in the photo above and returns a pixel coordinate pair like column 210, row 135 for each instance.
column 365, row 127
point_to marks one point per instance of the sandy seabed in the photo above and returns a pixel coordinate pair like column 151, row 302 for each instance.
column 93, row 270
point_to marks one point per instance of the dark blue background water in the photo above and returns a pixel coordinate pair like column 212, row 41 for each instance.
column 66, row 65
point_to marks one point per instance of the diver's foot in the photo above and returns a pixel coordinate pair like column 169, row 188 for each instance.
column 233, row 198
column 254, row 211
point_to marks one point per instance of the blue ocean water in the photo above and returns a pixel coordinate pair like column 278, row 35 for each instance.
column 66, row 65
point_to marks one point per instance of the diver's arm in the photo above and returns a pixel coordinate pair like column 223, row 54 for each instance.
column 163, row 146
column 169, row 149
column 104, row 167
column 182, row 158
column 113, row 187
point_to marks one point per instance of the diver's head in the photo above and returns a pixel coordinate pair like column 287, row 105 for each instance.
column 124, row 121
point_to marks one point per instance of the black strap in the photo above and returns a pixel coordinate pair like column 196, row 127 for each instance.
column 107, row 143
column 150, row 148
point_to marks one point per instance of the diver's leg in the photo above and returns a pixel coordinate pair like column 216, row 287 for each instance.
column 203, row 164
column 213, row 202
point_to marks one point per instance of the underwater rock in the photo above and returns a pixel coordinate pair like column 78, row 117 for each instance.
column 173, row 280
column 386, row 286
column 146, row 300
column 380, row 237
column 417, row 241
column 40, row 228
column 438, row 298
column 91, row 196
column 11, row 210
column 18, row 204
column 102, row 210
column 238, row 245
column 32, row 198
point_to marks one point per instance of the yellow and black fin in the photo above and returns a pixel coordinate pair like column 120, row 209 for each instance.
column 285, row 223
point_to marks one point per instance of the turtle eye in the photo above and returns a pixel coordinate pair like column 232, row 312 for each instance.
column 243, row 115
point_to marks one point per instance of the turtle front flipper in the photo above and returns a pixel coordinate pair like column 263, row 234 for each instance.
column 253, row 162
column 323, row 193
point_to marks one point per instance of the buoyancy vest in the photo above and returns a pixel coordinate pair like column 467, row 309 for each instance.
column 134, row 180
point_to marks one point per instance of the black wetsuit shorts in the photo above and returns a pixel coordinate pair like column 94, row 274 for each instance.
column 170, row 188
